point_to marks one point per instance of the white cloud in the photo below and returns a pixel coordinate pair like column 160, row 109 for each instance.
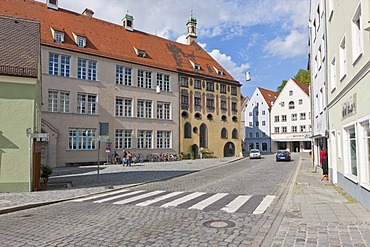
column 227, row 63
column 294, row 44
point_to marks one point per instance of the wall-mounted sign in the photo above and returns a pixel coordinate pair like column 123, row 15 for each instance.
column 349, row 107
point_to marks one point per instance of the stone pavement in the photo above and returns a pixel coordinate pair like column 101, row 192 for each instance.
column 73, row 182
column 319, row 213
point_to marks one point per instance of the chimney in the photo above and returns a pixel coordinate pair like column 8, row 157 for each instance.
column 52, row 4
column 88, row 12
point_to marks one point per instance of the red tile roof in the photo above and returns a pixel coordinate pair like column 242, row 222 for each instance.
column 113, row 41
column 303, row 86
column 268, row 95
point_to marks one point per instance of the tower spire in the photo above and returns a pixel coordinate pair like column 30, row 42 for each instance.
column 192, row 28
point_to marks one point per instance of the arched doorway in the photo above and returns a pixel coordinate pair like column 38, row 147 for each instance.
column 195, row 151
column 229, row 149
column 203, row 136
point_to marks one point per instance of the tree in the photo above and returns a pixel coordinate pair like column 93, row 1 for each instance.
column 302, row 76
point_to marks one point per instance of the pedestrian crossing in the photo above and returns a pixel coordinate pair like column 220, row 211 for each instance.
column 229, row 203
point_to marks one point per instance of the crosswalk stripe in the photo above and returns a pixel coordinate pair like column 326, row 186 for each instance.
column 234, row 205
column 161, row 198
column 98, row 196
column 202, row 204
column 182, row 199
column 119, row 196
column 264, row 205
column 136, row 198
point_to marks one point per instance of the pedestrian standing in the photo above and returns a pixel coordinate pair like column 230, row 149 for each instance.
column 128, row 158
column 124, row 154
column 324, row 164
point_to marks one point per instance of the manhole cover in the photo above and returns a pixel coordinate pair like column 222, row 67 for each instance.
column 219, row 224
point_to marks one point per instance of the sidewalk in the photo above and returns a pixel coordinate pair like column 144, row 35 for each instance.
column 321, row 214
column 73, row 182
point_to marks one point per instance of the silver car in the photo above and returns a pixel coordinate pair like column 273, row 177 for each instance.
column 255, row 154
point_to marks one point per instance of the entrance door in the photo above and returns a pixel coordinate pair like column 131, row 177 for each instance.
column 229, row 149
column 195, row 151
column 295, row 147
column 36, row 165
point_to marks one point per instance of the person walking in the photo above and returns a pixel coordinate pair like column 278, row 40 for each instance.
column 324, row 164
column 124, row 154
column 128, row 158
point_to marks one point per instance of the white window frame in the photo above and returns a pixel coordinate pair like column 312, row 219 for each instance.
column 342, row 58
column 163, row 110
column 87, row 103
column 123, row 139
column 357, row 34
column 144, row 108
column 333, row 75
column 144, row 139
column 164, row 139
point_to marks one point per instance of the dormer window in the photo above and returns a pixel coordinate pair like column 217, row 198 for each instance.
column 80, row 40
column 58, row 35
column 140, row 53
column 195, row 66
column 219, row 72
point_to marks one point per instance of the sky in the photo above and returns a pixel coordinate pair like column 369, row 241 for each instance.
column 268, row 38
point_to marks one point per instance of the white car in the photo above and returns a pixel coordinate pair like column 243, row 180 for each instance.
column 255, row 154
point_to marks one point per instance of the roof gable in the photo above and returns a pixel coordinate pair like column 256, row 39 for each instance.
column 269, row 96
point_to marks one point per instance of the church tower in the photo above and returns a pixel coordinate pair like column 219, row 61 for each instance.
column 192, row 29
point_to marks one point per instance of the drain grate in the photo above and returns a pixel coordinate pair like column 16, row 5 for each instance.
column 219, row 224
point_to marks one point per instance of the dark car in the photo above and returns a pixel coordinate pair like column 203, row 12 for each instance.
column 283, row 155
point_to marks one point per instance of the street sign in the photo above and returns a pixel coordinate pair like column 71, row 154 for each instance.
column 108, row 147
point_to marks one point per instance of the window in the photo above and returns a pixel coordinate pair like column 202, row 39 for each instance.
column 144, row 139
column 234, row 91
column 187, row 130
column 294, row 128
column 224, row 133
column 163, row 110
column 290, row 93
column 163, row 81
column 144, row 79
column 263, row 112
column 263, row 123
column 123, row 107
column 210, row 86
column 234, row 106
column 86, row 69
column 223, row 88
column 210, row 103
column 333, row 75
column 58, row 101
column 282, row 104
column 300, row 101
column 257, row 123
column 250, row 124
column 283, row 118
column 81, row 139
column 59, row 65
column 294, row 117
column 303, row 128
column 86, row 104
column 366, row 134
column 123, row 139
column 144, row 109
column 342, row 59
column 291, row 105
column 123, row 75
column 303, row 116
column 276, row 129
column 163, row 139
column 277, row 119
column 197, row 84
column 198, row 101
column 184, row 82
column 250, row 135
column 352, row 150
column 257, row 146
column 81, row 42
column 58, row 37
column 331, row 9
column 184, row 100
column 235, row 134
column 357, row 35
column 223, row 104
column 250, row 114
column 257, row 135
column 284, row 129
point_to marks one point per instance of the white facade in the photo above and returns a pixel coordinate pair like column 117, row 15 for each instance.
column 348, row 98
column 257, row 123
column 319, row 85
column 290, row 119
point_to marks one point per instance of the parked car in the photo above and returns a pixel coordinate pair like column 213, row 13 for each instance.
column 283, row 155
column 255, row 154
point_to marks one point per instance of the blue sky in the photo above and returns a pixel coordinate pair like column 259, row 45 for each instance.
column 268, row 38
